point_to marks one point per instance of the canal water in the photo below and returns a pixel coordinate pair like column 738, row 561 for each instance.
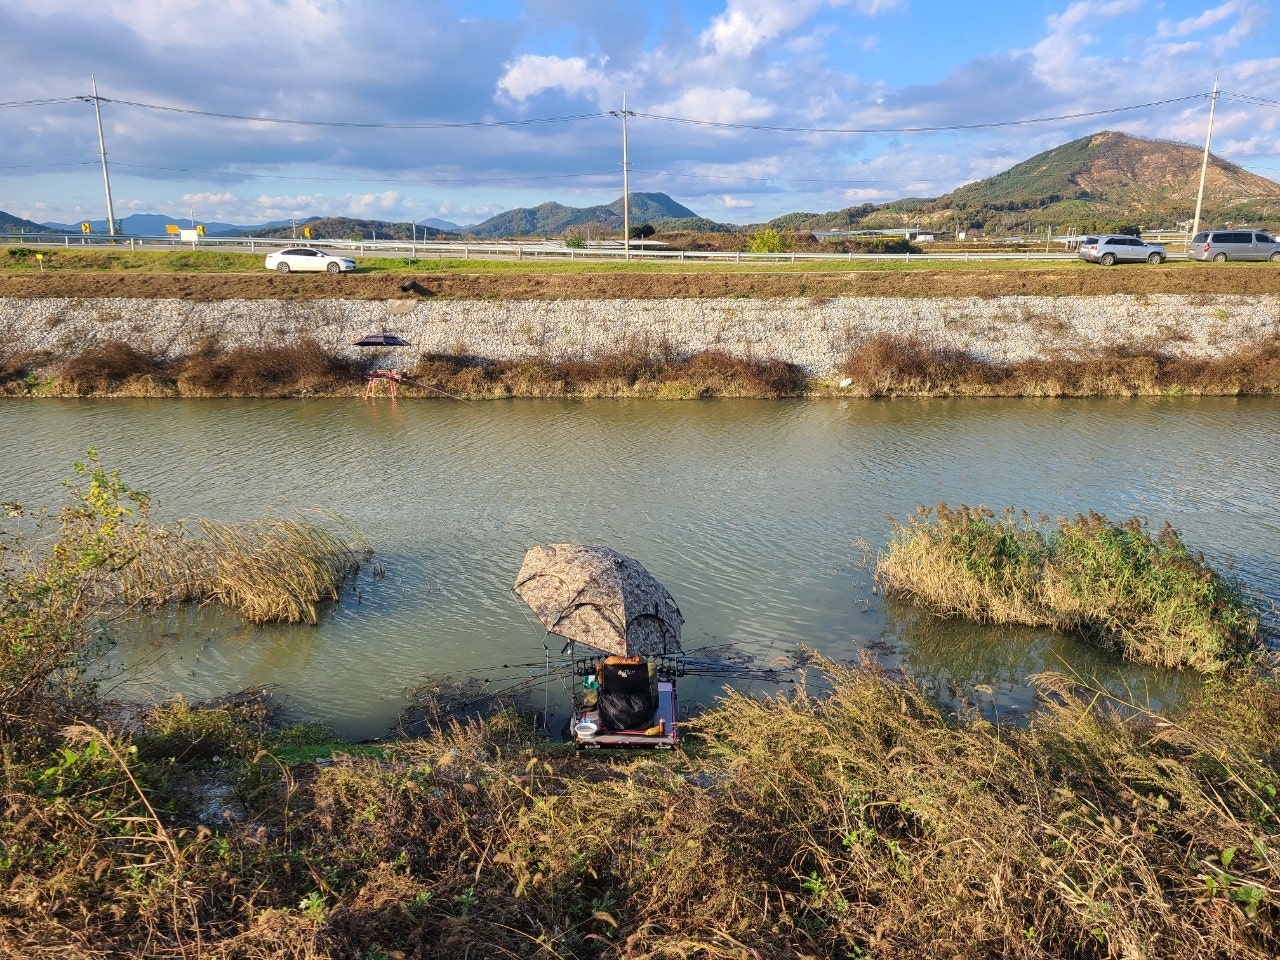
column 756, row 515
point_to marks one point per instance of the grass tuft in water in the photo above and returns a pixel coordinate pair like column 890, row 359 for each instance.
column 1112, row 583
column 275, row 569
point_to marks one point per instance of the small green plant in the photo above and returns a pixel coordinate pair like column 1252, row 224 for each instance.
column 313, row 906
column 466, row 900
column 767, row 240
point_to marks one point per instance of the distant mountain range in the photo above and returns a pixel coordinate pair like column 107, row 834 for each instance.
column 1105, row 181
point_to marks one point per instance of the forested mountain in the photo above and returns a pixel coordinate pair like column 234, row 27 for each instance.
column 1105, row 181
column 553, row 219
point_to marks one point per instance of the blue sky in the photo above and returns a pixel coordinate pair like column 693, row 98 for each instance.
column 743, row 109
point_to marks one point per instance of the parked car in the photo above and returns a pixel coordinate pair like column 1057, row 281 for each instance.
column 1110, row 248
column 1223, row 245
column 308, row 258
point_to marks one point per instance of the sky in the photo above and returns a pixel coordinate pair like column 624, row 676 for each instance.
column 252, row 111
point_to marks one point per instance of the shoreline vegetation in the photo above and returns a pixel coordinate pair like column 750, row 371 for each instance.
column 1113, row 584
column 876, row 366
column 851, row 818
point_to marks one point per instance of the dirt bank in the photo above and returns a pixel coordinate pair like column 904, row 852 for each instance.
column 1082, row 280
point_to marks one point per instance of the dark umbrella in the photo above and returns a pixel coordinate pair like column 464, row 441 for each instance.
column 382, row 340
column 600, row 598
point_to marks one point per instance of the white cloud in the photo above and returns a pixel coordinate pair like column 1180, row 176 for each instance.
column 1059, row 54
column 731, row 105
column 747, row 25
column 1167, row 29
column 737, row 203
column 530, row 75
column 209, row 199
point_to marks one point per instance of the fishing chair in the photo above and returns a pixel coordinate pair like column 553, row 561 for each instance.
column 628, row 698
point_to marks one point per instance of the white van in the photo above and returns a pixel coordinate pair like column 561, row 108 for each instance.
column 1223, row 245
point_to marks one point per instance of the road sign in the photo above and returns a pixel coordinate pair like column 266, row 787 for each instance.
column 171, row 228
column 306, row 232
column 85, row 227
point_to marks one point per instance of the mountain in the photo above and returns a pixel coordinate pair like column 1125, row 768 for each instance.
column 346, row 228
column 1105, row 181
column 154, row 225
column 447, row 226
column 9, row 223
column 553, row 219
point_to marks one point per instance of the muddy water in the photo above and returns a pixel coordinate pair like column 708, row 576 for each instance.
column 752, row 513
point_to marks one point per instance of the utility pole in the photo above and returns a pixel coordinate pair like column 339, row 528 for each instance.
column 626, row 189
column 1204, row 164
column 102, row 149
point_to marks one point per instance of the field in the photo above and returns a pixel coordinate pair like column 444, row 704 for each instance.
column 196, row 275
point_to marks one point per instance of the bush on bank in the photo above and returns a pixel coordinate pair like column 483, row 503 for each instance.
column 1115, row 584
column 877, row 366
column 857, row 820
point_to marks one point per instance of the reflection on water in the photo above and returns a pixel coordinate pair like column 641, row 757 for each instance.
column 750, row 512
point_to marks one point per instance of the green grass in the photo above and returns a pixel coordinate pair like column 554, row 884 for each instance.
column 58, row 259
column 1115, row 584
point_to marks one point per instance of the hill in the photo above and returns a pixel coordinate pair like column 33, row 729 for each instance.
column 9, row 223
column 345, row 228
column 553, row 219
column 156, row 224
column 1105, row 181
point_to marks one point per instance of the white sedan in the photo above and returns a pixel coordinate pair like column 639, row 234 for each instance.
column 308, row 258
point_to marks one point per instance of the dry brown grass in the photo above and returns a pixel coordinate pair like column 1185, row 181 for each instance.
column 300, row 368
column 882, row 366
column 856, row 820
column 276, row 569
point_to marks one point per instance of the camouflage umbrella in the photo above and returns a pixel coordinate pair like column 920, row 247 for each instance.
column 598, row 597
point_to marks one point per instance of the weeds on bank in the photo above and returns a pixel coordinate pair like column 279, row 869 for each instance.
column 641, row 368
column 858, row 822
column 885, row 365
column 1112, row 583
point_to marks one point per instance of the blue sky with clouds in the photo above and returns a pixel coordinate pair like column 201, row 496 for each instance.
column 255, row 110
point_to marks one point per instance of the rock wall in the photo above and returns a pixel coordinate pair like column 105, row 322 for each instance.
column 813, row 333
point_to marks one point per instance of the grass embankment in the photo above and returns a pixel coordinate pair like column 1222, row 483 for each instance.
column 878, row 366
column 860, row 822
column 1113, row 583
column 213, row 276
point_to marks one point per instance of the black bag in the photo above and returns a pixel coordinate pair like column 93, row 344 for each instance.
column 625, row 677
column 621, row 710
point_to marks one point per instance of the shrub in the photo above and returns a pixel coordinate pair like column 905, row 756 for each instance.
column 767, row 241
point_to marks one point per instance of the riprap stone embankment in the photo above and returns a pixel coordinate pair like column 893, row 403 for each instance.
column 814, row 333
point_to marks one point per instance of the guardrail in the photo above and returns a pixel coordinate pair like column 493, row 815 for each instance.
column 508, row 250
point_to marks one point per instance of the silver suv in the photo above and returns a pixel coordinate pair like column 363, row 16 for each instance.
column 1112, row 248
column 1223, row 245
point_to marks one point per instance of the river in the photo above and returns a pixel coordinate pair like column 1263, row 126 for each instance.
column 750, row 512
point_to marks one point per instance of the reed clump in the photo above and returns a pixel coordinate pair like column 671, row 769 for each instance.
column 273, row 569
column 1115, row 584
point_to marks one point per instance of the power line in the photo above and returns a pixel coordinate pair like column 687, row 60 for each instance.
column 40, row 103
column 281, row 176
column 939, row 129
column 433, row 125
